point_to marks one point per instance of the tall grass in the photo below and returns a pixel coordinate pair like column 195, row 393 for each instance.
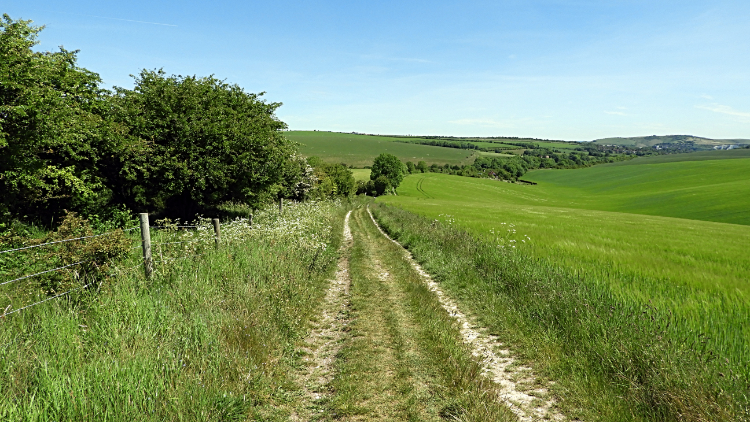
column 614, row 357
column 209, row 337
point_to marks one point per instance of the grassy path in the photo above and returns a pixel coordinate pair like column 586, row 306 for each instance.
column 324, row 341
column 403, row 355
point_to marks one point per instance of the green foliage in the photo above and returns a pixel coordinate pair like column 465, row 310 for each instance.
column 55, row 138
column 96, row 256
column 174, row 144
column 202, row 142
column 387, row 166
column 332, row 179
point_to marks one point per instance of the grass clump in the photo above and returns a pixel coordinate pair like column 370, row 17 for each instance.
column 209, row 337
column 613, row 358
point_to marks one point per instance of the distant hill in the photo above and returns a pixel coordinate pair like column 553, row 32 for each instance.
column 652, row 141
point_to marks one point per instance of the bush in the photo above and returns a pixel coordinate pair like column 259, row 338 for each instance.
column 198, row 142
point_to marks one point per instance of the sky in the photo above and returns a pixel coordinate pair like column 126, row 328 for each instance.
column 575, row 70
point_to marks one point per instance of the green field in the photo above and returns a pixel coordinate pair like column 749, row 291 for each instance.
column 361, row 174
column 587, row 219
column 711, row 190
column 361, row 150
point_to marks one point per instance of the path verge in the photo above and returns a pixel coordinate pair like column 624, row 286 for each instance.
column 519, row 388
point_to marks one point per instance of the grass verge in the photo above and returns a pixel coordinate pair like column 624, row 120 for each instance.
column 208, row 338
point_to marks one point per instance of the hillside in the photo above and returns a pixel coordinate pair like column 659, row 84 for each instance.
column 696, row 142
column 709, row 190
column 360, row 150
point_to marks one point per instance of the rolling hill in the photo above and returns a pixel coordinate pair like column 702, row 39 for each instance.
column 653, row 140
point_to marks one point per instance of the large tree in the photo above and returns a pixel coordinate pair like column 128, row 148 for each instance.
column 53, row 136
column 203, row 142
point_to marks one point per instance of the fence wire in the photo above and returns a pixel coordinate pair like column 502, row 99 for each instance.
column 45, row 300
column 61, row 241
column 43, row 272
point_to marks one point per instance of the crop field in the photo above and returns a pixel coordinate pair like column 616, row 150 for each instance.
column 585, row 219
column 361, row 174
column 611, row 231
column 710, row 190
column 361, row 150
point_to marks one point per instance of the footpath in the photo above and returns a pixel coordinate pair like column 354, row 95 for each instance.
column 390, row 345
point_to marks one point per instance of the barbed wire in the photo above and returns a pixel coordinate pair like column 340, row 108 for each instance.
column 55, row 242
column 43, row 272
column 45, row 300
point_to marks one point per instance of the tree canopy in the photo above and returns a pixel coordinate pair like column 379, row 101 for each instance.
column 202, row 142
column 173, row 144
column 53, row 127
column 390, row 167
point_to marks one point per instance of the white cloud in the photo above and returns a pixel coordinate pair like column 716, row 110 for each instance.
column 723, row 109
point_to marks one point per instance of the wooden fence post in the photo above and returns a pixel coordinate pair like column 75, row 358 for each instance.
column 148, row 264
column 249, row 219
column 217, row 232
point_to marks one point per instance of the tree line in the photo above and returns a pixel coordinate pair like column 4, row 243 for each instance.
column 513, row 168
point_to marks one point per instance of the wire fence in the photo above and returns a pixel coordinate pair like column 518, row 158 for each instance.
column 42, row 272
column 62, row 241
column 167, row 239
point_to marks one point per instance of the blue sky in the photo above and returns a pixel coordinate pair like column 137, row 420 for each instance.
column 573, row 70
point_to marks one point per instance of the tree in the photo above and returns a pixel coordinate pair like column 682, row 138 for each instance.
column 422, row 166
column 201, row 142
column 410, row 167
column 333, row 179
column 381, row 185
column 53, row 132
column 388, row 166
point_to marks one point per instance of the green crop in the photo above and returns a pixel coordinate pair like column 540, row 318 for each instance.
column 361, row 150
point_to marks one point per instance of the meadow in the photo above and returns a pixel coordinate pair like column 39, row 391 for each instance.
column 360, row 150
column 361, row 174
